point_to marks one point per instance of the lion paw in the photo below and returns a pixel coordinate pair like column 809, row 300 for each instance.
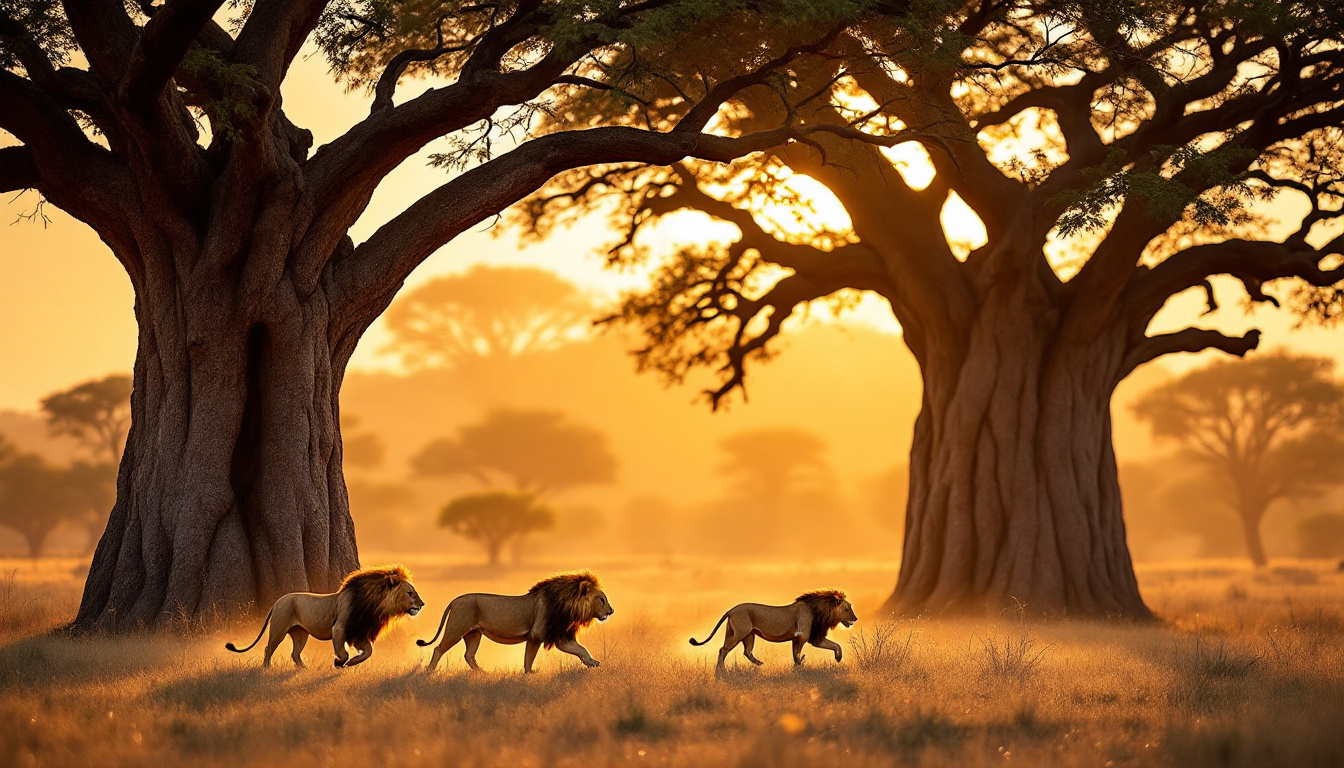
column 338, row 663
column 592, row 662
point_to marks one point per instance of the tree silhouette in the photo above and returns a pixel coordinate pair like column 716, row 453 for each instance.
column 488, row 314
column 96, row 413
column 767, row 465
column 1114, row 155
column 35, row 498
column 531, row 451
column 1322, row 535
column 494, row 518
column 95, row 486
column 1269, row 428
column 163, row 130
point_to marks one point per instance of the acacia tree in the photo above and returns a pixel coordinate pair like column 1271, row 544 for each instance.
column 1268, row 428
column 35, row 498
column 165, row 132
column 767, row 465
column 489, row 314
column 1115, row 154
column 493, row 518
column 535, row 452
column 96, row 413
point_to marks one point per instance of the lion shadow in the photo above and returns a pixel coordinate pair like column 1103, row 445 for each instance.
column 225, row 687
column 506, row 688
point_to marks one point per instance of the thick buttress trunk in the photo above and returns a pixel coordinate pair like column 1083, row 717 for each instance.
column 230, row 491
column 1014, row 494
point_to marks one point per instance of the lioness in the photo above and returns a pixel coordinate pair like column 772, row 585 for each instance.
column 550, row 614
column 806, row 620
column 355, row 615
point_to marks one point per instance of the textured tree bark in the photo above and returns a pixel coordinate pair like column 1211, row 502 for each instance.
column 230, row 492
column 1014, row 495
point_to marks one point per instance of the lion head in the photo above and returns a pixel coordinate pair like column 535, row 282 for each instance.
column 570, row 602
column 378, row 595
column 829, row 609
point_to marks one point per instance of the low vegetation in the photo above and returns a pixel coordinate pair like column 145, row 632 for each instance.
column 1255, row 679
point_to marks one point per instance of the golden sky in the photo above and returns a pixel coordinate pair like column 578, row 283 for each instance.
column 66, row 306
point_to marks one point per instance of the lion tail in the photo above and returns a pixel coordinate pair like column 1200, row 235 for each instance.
column 231, row 647
column 712, row 634
column 442, row 622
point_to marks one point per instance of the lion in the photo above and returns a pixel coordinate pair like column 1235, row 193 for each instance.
column 354, row 615
column 550, row 614
column 806, row 620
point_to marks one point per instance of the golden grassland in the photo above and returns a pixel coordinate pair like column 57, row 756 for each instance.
column 1245, row 668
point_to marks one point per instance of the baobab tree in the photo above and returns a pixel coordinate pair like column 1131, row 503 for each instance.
column 165, row 132
column 1115, row 155
column 1267, row 429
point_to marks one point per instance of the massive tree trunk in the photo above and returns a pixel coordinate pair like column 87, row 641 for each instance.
column 230, row 491
column 1014, row 496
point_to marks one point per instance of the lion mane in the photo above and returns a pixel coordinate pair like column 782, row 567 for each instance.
column 373, row 601
column 567, row 605
column 825, row 605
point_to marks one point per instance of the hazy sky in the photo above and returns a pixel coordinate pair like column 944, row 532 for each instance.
column 67, row 309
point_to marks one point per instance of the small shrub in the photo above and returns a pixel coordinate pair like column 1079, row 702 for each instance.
column 1220, row 662
column 882, row 647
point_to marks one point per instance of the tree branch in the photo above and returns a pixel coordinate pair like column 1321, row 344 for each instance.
column 17, row 169
column 1187, row 340
column 389, row 255
column 273, row 34
column 161, row 46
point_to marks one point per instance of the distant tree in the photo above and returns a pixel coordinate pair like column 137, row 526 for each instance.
column 96, row 413
column 370, row 499
column 7, row 449
column 1268, row 428
column 1321, row 535
column 95, row 487
column 35, row 498
column 363, row 449
column 768, row 464
column 531, row 451
column 493, row 518
column 487, row 314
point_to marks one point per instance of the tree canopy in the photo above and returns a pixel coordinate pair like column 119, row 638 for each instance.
column 96, row 413
column 487, row 314
column 493, row 518
column 531, row 451
column 1116, row 154
column 1269, row 428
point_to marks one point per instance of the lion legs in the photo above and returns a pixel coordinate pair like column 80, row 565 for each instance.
column 530, row 655
column 572, row 647
column 748, row 645
column 299, row 636
column 365, row 651
column 830, row 645
column 279, row 630
column 798, row 656
column 456, row 630
column 731, row 638
column 472, row 640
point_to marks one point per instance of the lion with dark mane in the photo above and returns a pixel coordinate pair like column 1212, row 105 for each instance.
column 550, row 615
column 807, row 619
column 354, row 615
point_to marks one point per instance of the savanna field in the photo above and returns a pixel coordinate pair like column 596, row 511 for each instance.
column 1245, row 668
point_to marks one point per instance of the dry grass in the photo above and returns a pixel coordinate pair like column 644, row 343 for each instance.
column 1246, row 670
